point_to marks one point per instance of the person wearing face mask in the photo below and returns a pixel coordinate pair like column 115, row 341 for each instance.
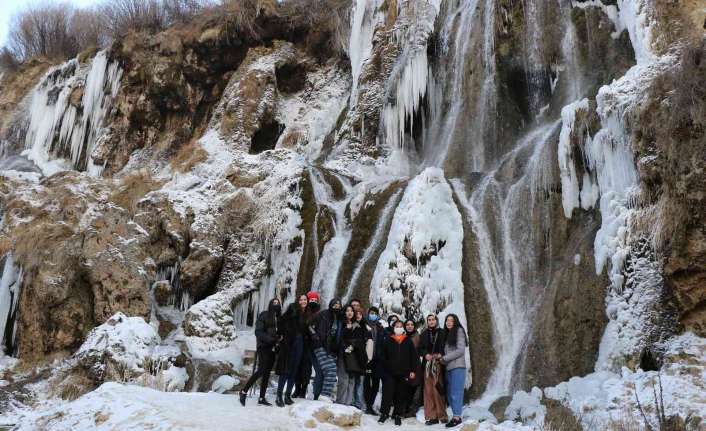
column 431, row 349
column 291, row 349
column 268, row 336
column 351, row 357
column 323, row 328
column 374, row 370
column 400, row 359
column 454, row 360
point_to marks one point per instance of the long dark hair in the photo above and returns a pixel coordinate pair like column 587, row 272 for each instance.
column 452, row 334
column 343, row 314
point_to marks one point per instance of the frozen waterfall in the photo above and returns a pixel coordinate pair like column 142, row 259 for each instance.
column 66, row 114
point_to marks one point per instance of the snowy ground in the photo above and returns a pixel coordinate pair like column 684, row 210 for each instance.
column 125, row 407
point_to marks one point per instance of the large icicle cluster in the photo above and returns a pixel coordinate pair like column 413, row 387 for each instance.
column 611, row 179
column 408, row 84
column 420, row 270
column 66, row 113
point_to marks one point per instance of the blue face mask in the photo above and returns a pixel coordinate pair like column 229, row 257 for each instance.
column 373, row 317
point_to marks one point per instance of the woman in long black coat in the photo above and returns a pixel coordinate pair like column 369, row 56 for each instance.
column 351, row 357
column 291, row 350
column 400, row 359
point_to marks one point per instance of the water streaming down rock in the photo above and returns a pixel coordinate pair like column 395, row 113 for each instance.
column 328, row 264
column 509, row 222
column 457, row 44
column 375, row 243
column 506, row 137
column 67, row 111
column 10, row 283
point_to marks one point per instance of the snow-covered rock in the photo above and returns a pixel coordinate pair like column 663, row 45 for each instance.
column 119, row 348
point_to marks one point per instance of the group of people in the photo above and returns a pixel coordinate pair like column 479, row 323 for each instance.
column 353, row 353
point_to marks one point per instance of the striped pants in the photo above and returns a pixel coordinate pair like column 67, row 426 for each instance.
column 325, row 367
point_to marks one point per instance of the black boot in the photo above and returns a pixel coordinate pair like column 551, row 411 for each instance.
column 243, row 395
column 263, row 402
column 370, row 411
column 398, row 421
column 279, row 401
column 432, row 422
column 288, row 400
column 453, row 422
column 383, row 418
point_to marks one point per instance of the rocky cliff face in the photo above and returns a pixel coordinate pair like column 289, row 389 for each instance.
column 536, row 168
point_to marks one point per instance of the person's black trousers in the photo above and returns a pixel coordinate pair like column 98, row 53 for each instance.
column 394, row 394
column 265, row 362
column 371, row 386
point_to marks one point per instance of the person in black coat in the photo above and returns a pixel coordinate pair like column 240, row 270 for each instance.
column 268, row 336
column 351, row 357
column 400, row 360
column 291, row 349
column 375, row 369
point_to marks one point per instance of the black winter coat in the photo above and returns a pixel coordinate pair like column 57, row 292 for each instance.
column 432, row 341
column 399, row 359
column 353, row 337
column 267, row 330
column 293, row 324
column 323, row 329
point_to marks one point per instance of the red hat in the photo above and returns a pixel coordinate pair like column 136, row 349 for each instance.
column 313, row 297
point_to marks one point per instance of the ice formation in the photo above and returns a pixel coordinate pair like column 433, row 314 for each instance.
column 420, row 269
column 408, row 86
column 63, row 131
column 10, row 283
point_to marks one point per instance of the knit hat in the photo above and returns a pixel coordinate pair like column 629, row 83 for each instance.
column 313, row 297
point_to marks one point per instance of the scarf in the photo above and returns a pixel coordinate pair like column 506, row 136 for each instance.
column 399, row 338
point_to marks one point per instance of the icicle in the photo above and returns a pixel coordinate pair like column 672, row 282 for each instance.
column 10, row 284
column 58, row 128
column 363, row 21
column 569, row 180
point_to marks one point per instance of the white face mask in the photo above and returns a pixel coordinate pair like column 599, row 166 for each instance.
column 399, row 331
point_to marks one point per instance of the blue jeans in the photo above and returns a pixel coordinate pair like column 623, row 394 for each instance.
column 358, row 393
column 295, row 358
column 455, row 384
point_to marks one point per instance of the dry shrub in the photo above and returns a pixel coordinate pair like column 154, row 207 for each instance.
column 72, row 386
column 43, row 29
column 240, row 17
column 132, row 188
column 8, row 62
column 326, row 21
